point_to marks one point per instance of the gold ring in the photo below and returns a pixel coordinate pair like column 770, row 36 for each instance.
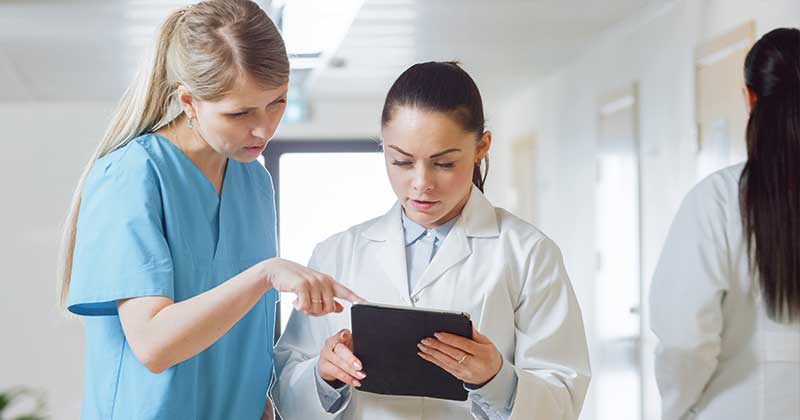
column 463, row 358
column 316, row 301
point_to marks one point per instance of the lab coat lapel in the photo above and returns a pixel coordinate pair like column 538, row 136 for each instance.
column 478, row 219
column 390, row 253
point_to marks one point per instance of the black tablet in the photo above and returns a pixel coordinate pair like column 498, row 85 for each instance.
column 385, row 339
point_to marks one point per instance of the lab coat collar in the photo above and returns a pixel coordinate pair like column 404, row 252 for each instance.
column 477, row 219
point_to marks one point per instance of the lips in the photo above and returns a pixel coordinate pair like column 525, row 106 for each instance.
column 257, row 148
column 422, row 205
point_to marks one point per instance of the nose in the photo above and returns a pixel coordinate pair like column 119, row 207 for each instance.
column 423, row 180
column 266, row 126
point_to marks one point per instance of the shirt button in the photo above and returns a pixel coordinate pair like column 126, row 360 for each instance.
column 428, row 233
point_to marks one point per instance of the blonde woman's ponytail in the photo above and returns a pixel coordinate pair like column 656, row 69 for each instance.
column 143, row 108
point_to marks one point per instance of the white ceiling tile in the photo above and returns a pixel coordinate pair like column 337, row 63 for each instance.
column 60, row 50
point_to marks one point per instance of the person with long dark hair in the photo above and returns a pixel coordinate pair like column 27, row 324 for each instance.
column 443, row 246
column 726, row 293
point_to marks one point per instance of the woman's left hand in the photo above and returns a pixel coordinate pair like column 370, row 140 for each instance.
column 474, row 361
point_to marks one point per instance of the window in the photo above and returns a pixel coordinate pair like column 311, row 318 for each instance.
column 322, row 188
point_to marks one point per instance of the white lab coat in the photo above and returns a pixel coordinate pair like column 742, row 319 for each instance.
column 504, row 272
column 719, row 356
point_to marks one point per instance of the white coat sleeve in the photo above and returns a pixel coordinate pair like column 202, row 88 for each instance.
column 686, row 302
column 295, row 392
column 551, row 358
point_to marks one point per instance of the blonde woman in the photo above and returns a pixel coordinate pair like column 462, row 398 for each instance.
column 169, row 250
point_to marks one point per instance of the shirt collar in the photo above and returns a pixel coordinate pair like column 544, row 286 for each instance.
column 413, row 231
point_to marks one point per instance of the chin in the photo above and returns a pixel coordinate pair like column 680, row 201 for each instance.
column 243, row 157
column 424, row 218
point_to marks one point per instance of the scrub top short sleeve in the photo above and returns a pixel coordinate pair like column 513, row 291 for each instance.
column 120, row 249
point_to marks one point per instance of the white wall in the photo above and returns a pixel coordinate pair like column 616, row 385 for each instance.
column 331, row 118
column 655, row 49
column 44, row 148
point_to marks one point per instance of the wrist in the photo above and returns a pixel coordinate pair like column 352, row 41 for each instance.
column 326, row 378
column 330, row 380
column 266, row 273
column 335, row 383
column 486, row 381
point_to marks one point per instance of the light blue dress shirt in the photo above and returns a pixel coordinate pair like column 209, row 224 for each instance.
column 494, row 400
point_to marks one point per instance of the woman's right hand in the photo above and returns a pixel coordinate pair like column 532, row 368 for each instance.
column 337, row 361
column 315, row 291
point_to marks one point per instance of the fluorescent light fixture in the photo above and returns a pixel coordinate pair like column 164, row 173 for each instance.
column 313, row 29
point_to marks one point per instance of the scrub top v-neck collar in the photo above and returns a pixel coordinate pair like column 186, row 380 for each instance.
column 216, row 211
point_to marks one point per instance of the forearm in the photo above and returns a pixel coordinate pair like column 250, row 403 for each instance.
column 174, row 332
column 296, row 394
column 682, row 376
column 495, row 399
column 331, row 396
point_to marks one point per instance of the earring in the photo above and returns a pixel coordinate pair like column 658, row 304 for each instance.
column 190, row 124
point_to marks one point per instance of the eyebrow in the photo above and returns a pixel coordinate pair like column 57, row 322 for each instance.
column 433, row 156
column 250, row 108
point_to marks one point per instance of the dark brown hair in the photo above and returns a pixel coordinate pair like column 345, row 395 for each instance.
column 770, row 183
column 442, row 87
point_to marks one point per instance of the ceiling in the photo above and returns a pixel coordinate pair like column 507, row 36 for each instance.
column 87, row 50
column 501, row 42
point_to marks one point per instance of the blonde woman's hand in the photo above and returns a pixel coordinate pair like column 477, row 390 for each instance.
column 337, row 361
column 315, row 291
column 474, row 361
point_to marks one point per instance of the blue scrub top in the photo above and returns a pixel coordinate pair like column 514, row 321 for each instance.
column 151, row 224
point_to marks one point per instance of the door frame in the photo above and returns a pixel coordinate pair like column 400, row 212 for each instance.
column 272, row 158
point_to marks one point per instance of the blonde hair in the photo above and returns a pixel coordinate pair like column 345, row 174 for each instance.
column 204, row 47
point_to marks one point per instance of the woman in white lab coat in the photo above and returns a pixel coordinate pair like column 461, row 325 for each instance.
column 728, row 324
column 443, row 246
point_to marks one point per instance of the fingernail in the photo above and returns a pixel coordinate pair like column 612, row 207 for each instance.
column 421, row 346
column 437, row 335
column 361, row 375
column 356, row 383
column 357, row 365
column 426, row 341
